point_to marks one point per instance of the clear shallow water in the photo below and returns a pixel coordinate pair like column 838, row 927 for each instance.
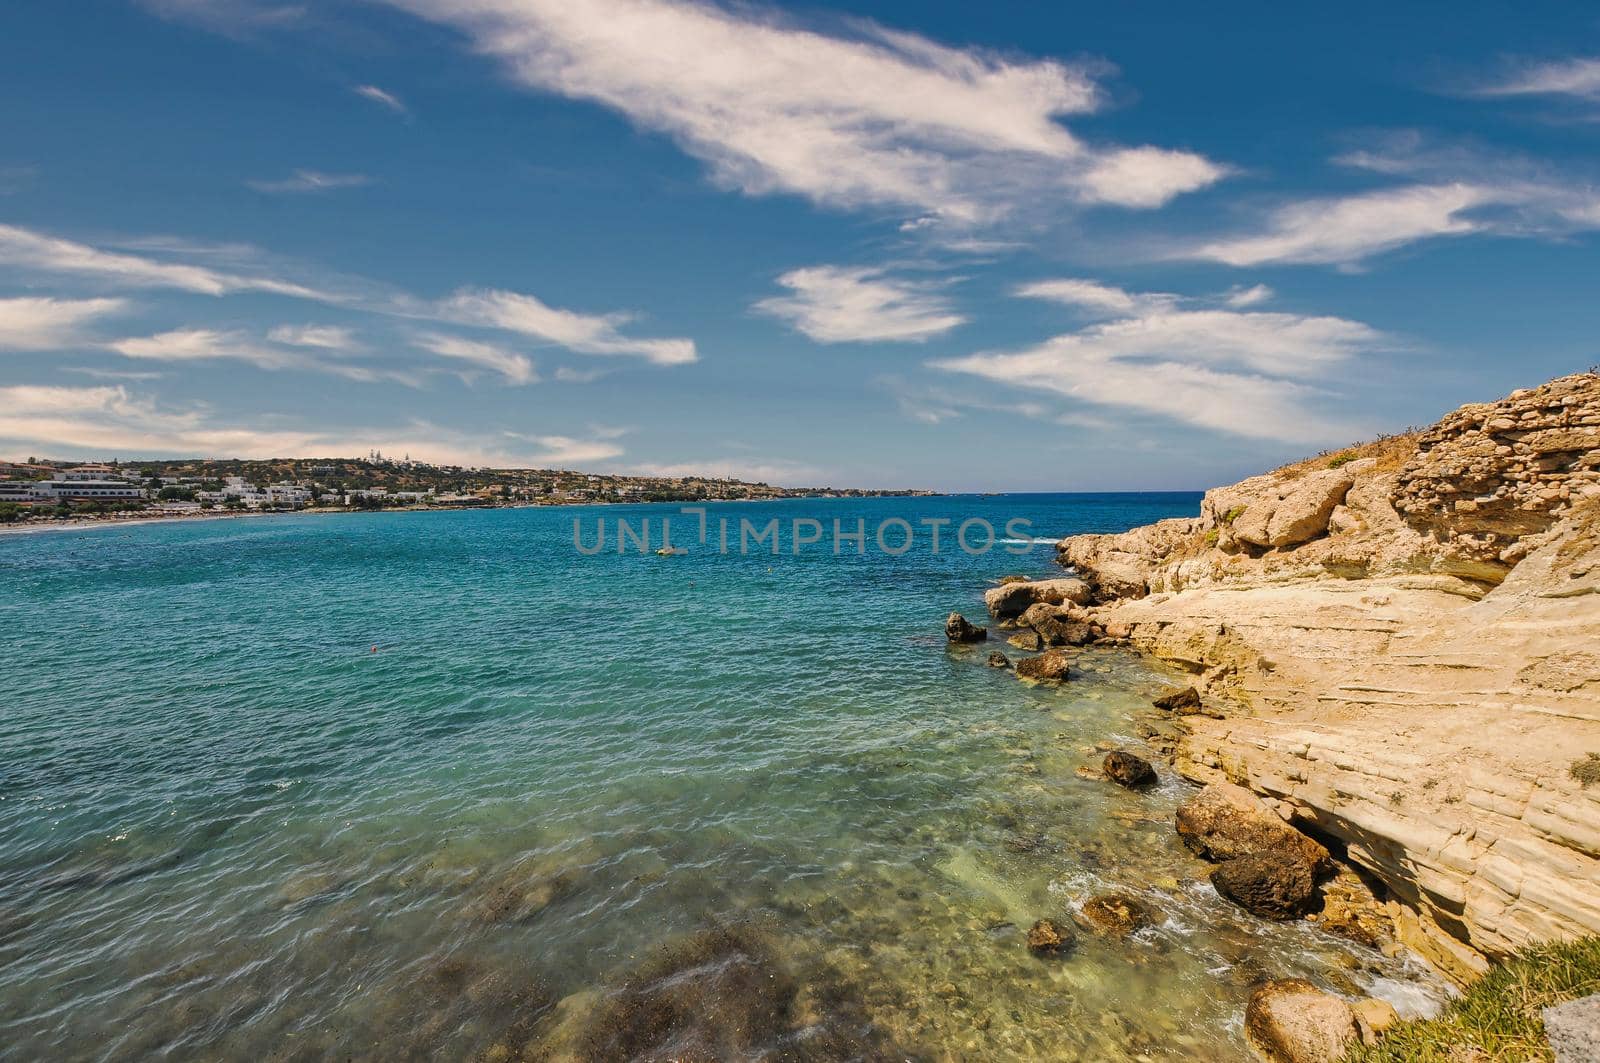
column 703, row 805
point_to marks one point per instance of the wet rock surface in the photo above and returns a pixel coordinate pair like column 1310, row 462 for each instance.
column 1224, row 821
column 1272, row 883
column 1115, row 914
column 1292, row 1021
column 1051, row 666
column 1126, row 769
column 959, row 629
column 1046, row 937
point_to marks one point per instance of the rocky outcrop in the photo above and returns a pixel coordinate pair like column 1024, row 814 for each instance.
column 959, row 629
column 1292, row 1021
column 1223, row 822
column 1011, row 600
column 1417, row 677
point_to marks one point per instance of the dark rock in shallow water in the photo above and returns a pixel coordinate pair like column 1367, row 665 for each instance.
column 958, row 629
column 1274, row 884
column 1185, row 702
column 1048, row 938
column 999, row 660
column 1052, row 666
column 1125, row 769
column 1115, row 914
column 720, row 994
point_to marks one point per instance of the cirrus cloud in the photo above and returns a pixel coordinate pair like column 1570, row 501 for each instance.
column 874, row 118
column 838, row 304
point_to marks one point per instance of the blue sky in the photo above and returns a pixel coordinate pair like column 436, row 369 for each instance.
column 1019, row 246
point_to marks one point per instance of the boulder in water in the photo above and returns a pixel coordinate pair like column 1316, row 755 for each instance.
column 1048, row 938
column 958, row 629
column 1292, row 1021
column 1273, row 883
column 1115, row 914
column 1012, row 599
column 1052, row 666
column 1125, row 769
column 999, row 660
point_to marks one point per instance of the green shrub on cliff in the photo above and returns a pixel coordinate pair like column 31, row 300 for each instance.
column 1498, row 1019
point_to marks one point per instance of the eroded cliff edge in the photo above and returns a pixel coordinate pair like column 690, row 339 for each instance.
column 1406, row 640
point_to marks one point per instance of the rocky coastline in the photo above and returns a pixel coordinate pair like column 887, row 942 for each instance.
column 1393, row 699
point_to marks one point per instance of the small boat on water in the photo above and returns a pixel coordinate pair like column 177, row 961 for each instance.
column 670, row 551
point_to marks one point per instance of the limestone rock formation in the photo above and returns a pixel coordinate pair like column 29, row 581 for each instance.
column 1292, row 1021
column 1011, row 600
column 1417, row 678
column 1224, row 821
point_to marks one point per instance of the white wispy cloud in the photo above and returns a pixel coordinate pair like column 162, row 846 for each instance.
column 1244, row 373
column 1453, row 191
column 932, row 405
column 1577, row 77
column 306, row 181
column 583, row 333
column 382, row 97
column 25, row 250
column 1255, row 295
column 232, row 345
column 876, row 118
column 325, row 337
column 1339, row 231
column 27, row 253
column 1094, row 297
column 514, row 367
column 839, row 304
column 567, row 452
column 203, row 345
column 45, row 324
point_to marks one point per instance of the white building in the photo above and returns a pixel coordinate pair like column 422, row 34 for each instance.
column 86, row 483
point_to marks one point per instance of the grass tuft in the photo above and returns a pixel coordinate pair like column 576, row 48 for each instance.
column 1498, row 1019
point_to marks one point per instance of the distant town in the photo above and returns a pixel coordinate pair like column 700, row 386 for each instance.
column 45, row 490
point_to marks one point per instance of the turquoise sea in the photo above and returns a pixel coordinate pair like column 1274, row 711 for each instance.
column 435, row 785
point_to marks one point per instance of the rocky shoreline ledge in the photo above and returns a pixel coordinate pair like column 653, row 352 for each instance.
column 1394, row 713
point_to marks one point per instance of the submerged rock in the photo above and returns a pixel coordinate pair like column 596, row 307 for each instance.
column 999, row 660
column 1052, row 666
column 1027, row 640
column 1273, row 883
column 1048, row 938
column 958, row 629
column 1292, row 1021
column 1125, row 769
column 1115, row 914
column 1224, row 821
